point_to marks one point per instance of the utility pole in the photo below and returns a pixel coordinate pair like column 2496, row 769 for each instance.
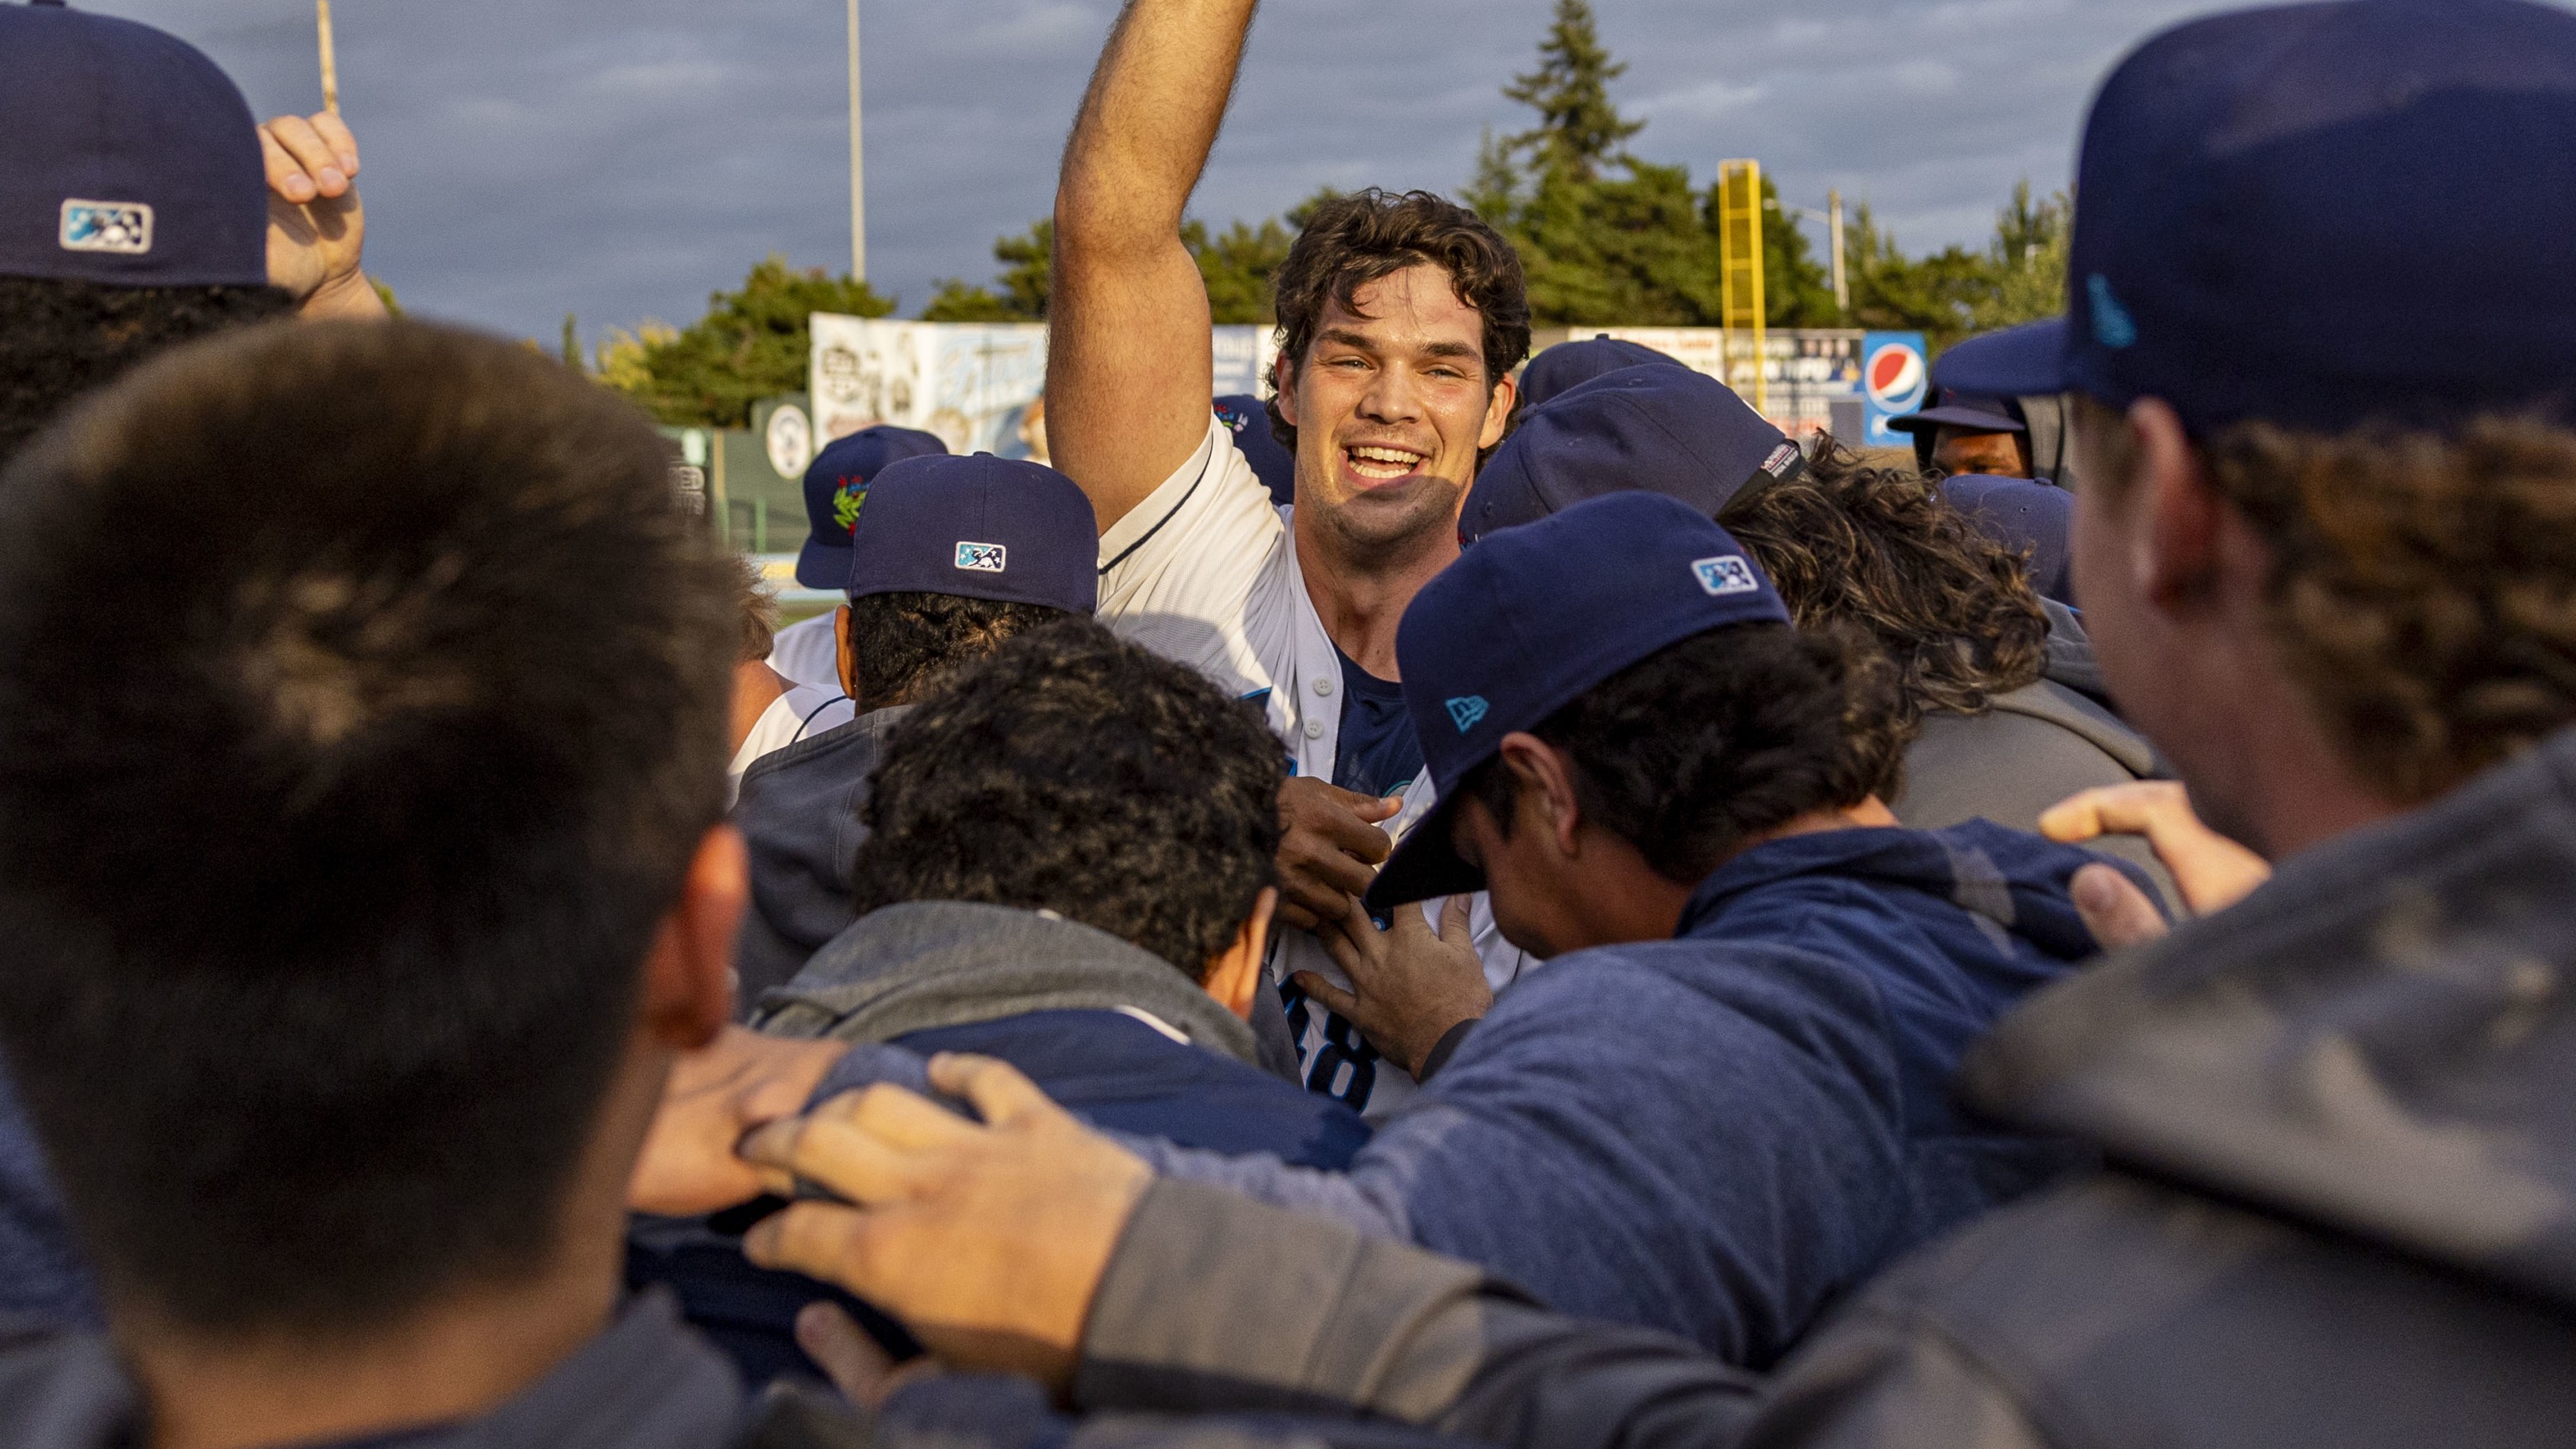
column 1834, row 224
column 330, row 57
column 858, row 173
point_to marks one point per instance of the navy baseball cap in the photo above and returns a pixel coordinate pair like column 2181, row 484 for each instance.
column 1569, row 364
column 131, row 158
column 981, row 527
column 836, row 488
column 2292, row 214
column 1971, row 411
column 1249, row 421
column 1525, row 622
column 2028, row 517
column 1661, row 428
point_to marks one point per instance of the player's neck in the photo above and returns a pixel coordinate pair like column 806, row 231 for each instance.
column 1361, row 598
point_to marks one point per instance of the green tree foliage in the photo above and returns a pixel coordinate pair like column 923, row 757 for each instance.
column 753, row 343
column 1609, row 239
column 1954, row 293
column 1026, row 280
column 1579, row 130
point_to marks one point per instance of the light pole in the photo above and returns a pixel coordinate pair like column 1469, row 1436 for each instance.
column 858, row 172
column 330, row 56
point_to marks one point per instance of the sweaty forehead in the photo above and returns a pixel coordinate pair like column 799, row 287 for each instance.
column 1414, row 307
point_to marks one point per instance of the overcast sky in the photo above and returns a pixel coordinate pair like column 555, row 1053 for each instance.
column 621, row 158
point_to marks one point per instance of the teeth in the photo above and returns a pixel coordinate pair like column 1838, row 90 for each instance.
column 1396, row 461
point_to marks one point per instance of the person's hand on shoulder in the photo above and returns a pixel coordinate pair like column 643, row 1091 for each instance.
column 713, row 1096
column 1409, row 986
column 1330, row 845
column 988, row 1240
column 2211, row 871
column 317, row 228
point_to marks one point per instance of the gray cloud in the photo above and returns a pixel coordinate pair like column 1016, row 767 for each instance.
column 622, row 158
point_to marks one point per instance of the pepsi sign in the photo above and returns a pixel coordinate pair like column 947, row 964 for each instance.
column 1895, row 377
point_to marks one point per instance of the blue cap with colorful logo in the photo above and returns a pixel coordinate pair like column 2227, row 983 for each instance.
column 2293, row 215
column 1661, row 428
column 131, row 158
column 1528, row 620
column 1571, row 364
column 980, row 527
column 836, row 487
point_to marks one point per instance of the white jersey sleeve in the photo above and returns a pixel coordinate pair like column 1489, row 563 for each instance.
column 808, row 652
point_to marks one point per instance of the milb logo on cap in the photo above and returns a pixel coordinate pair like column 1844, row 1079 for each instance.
column 983, row 558
column 107, row 226
column 1726, row 574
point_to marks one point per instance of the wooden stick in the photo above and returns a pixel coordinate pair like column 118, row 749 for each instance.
column 330, row 59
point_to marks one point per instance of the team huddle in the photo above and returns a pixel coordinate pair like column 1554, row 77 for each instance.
column 1473, row 899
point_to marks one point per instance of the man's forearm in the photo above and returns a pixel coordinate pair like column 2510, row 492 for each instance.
column 1128, row 370
column 1216, row 1303
column 1148, row 122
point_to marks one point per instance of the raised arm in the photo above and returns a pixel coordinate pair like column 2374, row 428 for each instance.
column 1128, row 370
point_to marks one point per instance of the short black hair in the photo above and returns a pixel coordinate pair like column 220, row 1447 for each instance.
column 62, row 337
column 1075, row 772
column 1702, row 744
column 903, row 644
column 329, row 864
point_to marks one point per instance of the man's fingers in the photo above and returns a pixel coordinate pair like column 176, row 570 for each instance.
column 840, row 1154
column 999, row 1091
column 1458, row 920
column 2132, row 809
column 820, row 1240
column 1330, row 874
column 1334, row 998
column 335, row 133
column 313, row 155
column 848, row 1357
column 1293, row 914
column 2117, row 913
column 285, row 177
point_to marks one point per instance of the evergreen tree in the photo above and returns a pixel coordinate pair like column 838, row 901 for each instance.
column 753, row 343
column 1579, row 130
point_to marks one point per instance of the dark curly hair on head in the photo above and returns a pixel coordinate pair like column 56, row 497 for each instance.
column 1880, row 548
column 1688, row 752
column 903, row 644
column 1077, row 773
column 63, row 337
column 1354, row 240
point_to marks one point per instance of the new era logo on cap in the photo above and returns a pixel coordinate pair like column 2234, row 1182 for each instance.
column 988, row 558
column 107, row 226
column 1726, row 574
column 1466, row 709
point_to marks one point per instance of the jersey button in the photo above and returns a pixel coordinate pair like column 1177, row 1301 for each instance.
column 1324, row 686
column 1314, row 729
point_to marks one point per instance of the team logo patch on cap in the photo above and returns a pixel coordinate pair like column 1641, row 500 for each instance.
column 1466, row 709
column 986, row 558
column 1777, row 465
column 2113, row 327
column 1726, row 574
column 107, row 226
column 848, row 500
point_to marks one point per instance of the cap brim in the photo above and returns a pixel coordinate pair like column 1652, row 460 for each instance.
column 1930, row 418
column 1424, row 864
column 819, row 565
column 2026, row 361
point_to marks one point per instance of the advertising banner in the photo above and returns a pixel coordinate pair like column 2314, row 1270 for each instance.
column 1810, row 379
column 978, row 386
column 1896, row 376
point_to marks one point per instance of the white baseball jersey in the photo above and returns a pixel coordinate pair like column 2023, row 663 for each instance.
column 1205, row 571
column 808, row 652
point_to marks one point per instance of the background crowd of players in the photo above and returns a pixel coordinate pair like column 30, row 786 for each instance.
column 1474, row 899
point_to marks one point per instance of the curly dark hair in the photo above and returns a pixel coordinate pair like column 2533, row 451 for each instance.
column 1075, row 772
column 2420, row 592
column 1879, row 547
column 1354, row 240
column 904, row 644
column 63, row 337
column 1689, row 751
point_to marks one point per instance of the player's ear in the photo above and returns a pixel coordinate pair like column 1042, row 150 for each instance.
column 1283, row 381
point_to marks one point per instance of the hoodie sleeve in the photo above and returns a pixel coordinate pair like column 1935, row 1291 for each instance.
column 1216, row 1303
